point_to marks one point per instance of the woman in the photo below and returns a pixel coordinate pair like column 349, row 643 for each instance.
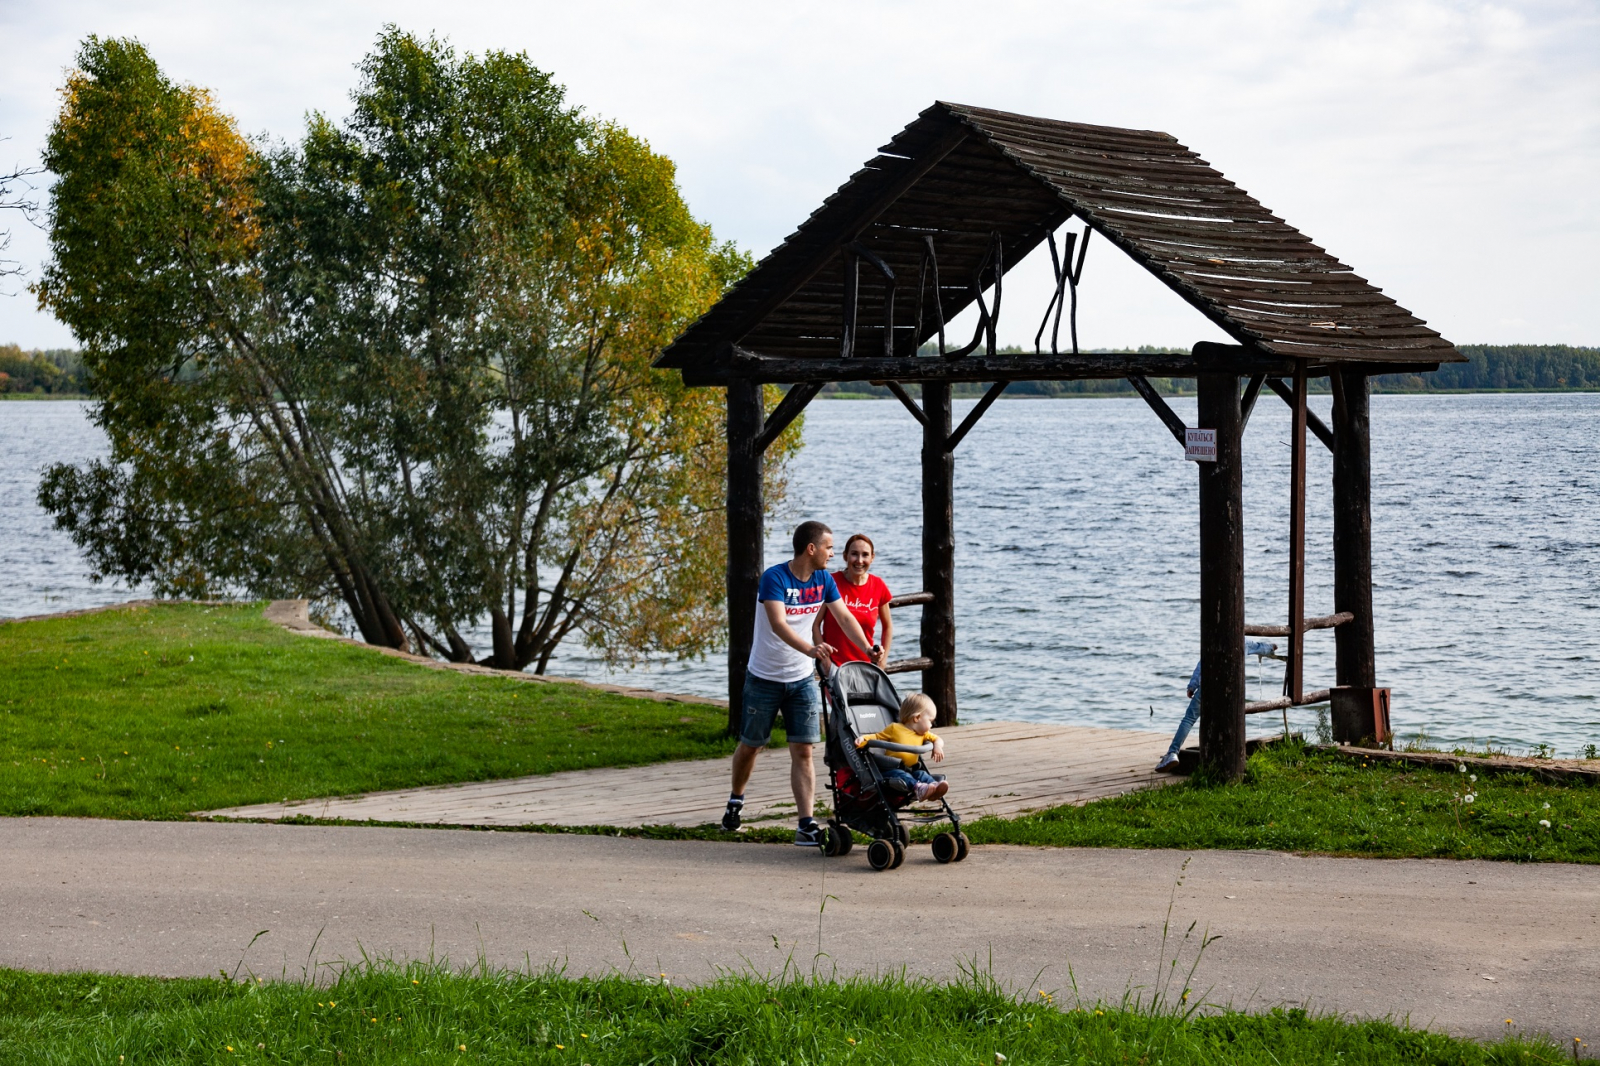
column 867, row 598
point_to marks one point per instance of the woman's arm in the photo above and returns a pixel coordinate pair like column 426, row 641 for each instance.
column 887, row 622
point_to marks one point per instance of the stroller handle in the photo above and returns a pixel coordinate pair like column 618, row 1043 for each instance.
column 909, row 749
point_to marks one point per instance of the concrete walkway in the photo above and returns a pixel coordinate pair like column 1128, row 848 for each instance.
column 1002, row 768
column 1460, row 946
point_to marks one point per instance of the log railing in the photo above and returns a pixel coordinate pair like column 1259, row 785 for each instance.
column 1328, row 621
column 920, row 662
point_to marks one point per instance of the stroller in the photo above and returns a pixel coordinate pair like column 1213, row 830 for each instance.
column 859, row 700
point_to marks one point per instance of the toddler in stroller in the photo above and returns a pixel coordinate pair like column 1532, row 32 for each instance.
column 875, row 777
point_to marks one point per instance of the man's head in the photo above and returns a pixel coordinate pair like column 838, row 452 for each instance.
column 815, row 540
column 917, row 712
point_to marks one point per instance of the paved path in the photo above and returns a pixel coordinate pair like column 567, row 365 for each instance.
column 994, row 768
column 1456, row 945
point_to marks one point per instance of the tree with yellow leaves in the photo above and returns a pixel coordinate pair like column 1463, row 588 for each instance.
column 403, row 365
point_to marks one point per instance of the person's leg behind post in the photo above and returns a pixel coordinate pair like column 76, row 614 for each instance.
column 1191, row 715
column 762, row 699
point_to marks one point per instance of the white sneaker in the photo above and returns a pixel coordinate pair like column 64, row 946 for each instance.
column 1166, row 763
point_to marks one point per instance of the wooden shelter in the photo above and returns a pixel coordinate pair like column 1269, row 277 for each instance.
column 931, row 225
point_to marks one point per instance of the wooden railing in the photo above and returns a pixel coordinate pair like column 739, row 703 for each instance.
column 1325, row 622
column 920, row 662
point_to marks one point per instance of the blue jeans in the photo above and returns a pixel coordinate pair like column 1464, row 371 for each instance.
column 909, row 778
column 1190, row 717
column 800, row 702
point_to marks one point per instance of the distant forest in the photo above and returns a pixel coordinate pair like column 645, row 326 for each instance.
column 1489, row 368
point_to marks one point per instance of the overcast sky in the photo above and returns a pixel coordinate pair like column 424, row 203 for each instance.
column 1449, row 151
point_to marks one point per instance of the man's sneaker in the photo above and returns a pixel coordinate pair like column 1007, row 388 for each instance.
column 730, row 817
column 932, row 790
column 1167, row 765
column 810, row 836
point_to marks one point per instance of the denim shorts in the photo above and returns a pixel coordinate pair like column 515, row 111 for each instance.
column 800, row 702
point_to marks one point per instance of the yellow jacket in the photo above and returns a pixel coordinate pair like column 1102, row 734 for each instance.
column 900, row 734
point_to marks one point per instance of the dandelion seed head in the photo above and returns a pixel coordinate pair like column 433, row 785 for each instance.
column 1545, row 822
column 1468, row 798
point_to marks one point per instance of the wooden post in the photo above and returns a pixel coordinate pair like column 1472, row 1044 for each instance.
column 745, row 535
column 1222, row 687
column 939, row 552
column 1352, row 530
column 1294, row 674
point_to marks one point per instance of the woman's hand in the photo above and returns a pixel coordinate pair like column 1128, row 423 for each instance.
column 880, row 655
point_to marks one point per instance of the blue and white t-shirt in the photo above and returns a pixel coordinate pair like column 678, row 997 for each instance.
column 770, row 658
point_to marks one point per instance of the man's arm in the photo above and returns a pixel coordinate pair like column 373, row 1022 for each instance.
column 780, row 626
column 851, row 627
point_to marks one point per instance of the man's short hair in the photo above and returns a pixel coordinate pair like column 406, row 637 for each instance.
column 807, row 533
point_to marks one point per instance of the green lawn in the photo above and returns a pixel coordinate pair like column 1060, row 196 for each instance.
column 155, row 712
column 394, row 1016
column 1299, row 799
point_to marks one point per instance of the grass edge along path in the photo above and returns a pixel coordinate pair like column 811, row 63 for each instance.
column 379, row 1012
column 1295, row 798
column 157, row 710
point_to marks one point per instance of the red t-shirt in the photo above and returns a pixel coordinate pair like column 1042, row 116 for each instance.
column 863, row 602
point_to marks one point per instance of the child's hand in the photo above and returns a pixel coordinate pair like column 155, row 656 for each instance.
column 938, row 751
column 861, row 742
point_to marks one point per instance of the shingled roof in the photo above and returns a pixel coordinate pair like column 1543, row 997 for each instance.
column 965, row 176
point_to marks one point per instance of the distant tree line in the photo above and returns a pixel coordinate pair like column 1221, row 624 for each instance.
column 51, row 372
column 1490, row 368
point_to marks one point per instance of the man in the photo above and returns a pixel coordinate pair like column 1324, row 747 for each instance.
column 782, row 672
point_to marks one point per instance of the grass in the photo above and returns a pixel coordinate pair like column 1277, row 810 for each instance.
column 377, row 1013
column 1298, row 799
column 153, row 712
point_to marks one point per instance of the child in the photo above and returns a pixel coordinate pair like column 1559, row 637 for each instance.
column 916, row 718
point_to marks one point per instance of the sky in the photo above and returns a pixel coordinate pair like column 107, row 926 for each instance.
column 1448, row 151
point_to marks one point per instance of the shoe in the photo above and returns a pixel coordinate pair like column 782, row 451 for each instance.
column 730, row 817
column 933, row 790
column 1167, row 765
column 810, row 836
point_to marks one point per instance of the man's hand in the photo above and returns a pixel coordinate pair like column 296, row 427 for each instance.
column 821, row 650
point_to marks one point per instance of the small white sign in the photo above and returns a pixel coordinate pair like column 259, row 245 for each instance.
column 1200, row 445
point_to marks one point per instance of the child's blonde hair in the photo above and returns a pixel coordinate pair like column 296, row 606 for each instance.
column 913, row 704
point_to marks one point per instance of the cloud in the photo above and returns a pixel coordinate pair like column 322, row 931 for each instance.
column 1446, row 150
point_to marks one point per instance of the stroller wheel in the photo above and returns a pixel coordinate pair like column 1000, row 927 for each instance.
column 899, row 855
column 945, row 847
column 881, row 854
column 839, row 841
column 962, row 846
column 903, row 835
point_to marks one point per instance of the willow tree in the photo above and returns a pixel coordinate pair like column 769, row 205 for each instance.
column 403, row 364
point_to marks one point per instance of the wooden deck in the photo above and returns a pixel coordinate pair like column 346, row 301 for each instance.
column 998, row 768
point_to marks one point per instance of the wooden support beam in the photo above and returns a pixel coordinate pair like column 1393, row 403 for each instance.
column 907, row 666
column 1352, row 530
column 1317, row 425
column 1248, row 404
column 1167, row 415
column 911, row 599
column 745, row 536
column 1294, row 672
column 1222, row 679
column 794, row 401
column 899, row 393
column 976, row 413
column 939, row 554
column 1088, row 365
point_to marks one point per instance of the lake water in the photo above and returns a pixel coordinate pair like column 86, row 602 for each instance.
column 1076, row 555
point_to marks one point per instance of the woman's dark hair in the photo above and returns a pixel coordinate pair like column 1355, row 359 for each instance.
column 807, row 533
column 861, row 536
